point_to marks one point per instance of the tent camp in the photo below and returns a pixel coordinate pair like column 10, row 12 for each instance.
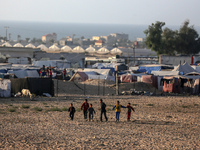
column 22, row 73
column 53, row 63
column 30, row 45
column 165, row 73
column 150, row 68
column 79, row 77
column 116, row 51
column 18, row 45
column 6, row 44
column 54, row 47
column 43, row 47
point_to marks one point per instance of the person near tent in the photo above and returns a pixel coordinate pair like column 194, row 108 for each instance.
column 50, row 73
column 103, row 110
column 91, row 112
column 129, row 108
column 47, row 72
column 85, row 107
column 117, row 108
column 43, row 71
column 64, row 74
column 71, row 110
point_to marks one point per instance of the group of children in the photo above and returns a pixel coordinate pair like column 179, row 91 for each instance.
column 87, row 108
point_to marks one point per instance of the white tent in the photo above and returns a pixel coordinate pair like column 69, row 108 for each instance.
column 78, row 49
column 42, row 47
column 25, row 73
column 90, row 49
column 30, row 45
column 184, row 69
column 165, row 73
column 116, row 51
column 54, row 48
column 66, row 49
column 18, row 45
column 6, row 44
column 103, row 51
column 53, row 63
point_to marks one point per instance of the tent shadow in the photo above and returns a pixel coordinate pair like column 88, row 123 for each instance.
column 153, row 122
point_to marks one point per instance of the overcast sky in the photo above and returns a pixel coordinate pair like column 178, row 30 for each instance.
column 145, row 12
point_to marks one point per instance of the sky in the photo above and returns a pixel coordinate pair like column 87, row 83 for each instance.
column 139, row 12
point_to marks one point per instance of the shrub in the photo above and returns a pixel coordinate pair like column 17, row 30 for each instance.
column 37, row 109
column 64, row 109
column 149, row 104
column 12, row 110
column 25, row 106
column 55, row 109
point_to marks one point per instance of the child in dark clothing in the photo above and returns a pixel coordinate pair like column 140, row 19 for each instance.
column 129, row 111
column 91, row 112
column 71, row 111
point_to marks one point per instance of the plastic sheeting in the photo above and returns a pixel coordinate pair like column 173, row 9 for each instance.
column 25, row 73
column 5, row 88
column 149, row 69
column 53, row 63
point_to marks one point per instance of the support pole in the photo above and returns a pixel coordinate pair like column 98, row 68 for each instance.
column 117, row 84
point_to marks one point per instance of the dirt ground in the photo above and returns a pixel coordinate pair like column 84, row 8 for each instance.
column 157, row 123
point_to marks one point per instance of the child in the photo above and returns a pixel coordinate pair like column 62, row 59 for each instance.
column 129, row 111
column 71, row 111
column 117, row 108
column 91, row 112
column 85, row 107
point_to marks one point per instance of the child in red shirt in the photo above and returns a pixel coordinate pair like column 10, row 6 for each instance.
column 129, row 107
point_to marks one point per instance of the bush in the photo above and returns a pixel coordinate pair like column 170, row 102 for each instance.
column 149, row 104
column 55, row 109
column 25, row 106
column 12, row 110
column 64, row 109
column 37, row 109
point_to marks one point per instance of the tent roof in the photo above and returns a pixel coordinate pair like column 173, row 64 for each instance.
column 90, row 49
column 78, row 49
column 54, row 47
column 42, row 47
column 116, row 50
column 185, row 68
column 66, row 49
column 7, row 44
column 30, row 45
column 165, row 73
column 18, row 45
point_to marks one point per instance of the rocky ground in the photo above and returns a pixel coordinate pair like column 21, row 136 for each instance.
column 158, row 123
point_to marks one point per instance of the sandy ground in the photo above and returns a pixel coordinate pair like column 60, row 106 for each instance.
column 158, row 123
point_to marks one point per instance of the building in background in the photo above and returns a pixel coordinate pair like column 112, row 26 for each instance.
column 49, row 37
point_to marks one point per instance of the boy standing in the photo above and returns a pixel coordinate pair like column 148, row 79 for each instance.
column 129, row 111
column 103, row 110
column 91, row 112
column 85, row 107
column 117, row 108
column 71, row 111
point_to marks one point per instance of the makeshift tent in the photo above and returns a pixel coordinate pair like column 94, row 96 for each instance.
column 150, row 79
column 103, row 51
column 18, row 45
column 171, row 84
column 91, row 50
column 53, row 63
column 78, row 49
column 43, row 47
column 165, row 73
column 116, row 51
column 30, row 45
column 37, row 86
column 79, row 77
column 149, row 68
column 66, row 49
column 5, row 88
column 21, row 73
column 106, row 72
column 54, row 48
column 6, row 44
column 184, row 69
column 128, row 78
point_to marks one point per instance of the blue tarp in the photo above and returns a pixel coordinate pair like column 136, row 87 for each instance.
column 149, row 69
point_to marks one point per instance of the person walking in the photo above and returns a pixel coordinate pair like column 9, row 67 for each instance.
column 91, row 112
column 103, row 110
column 85, row 107
column 117, row 108
column 71, row 111
column 129, row 111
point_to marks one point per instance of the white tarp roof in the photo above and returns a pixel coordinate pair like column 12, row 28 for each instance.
column 54, row 48
column 115, row 51
column 78, row 49
column 30, row 45
column 165, row 73
column 90, row 49
column 66, row 49
column 6, row 44
column 42, row 47
column 25, row 73
column 106, row 65
column 105, row 72
column 53, row 63
column 185, row 68
column 103, row 50
column 18, row 45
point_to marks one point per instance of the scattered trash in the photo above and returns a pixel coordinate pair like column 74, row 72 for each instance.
column 19, row 94
column 46, row 94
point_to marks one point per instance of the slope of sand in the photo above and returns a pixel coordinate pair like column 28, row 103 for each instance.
column 158, row 123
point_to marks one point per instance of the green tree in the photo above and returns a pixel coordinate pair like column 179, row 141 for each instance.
column 154, row 37
column 188, row 41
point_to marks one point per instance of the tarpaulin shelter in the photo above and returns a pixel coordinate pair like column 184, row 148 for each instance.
column 37, row 86
column 79, row 77
column 5, row 88
column 150, row 68
column 171, row 84
column 22, row 73
column 150, row 79
column 184, row 69
column 128, row 78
